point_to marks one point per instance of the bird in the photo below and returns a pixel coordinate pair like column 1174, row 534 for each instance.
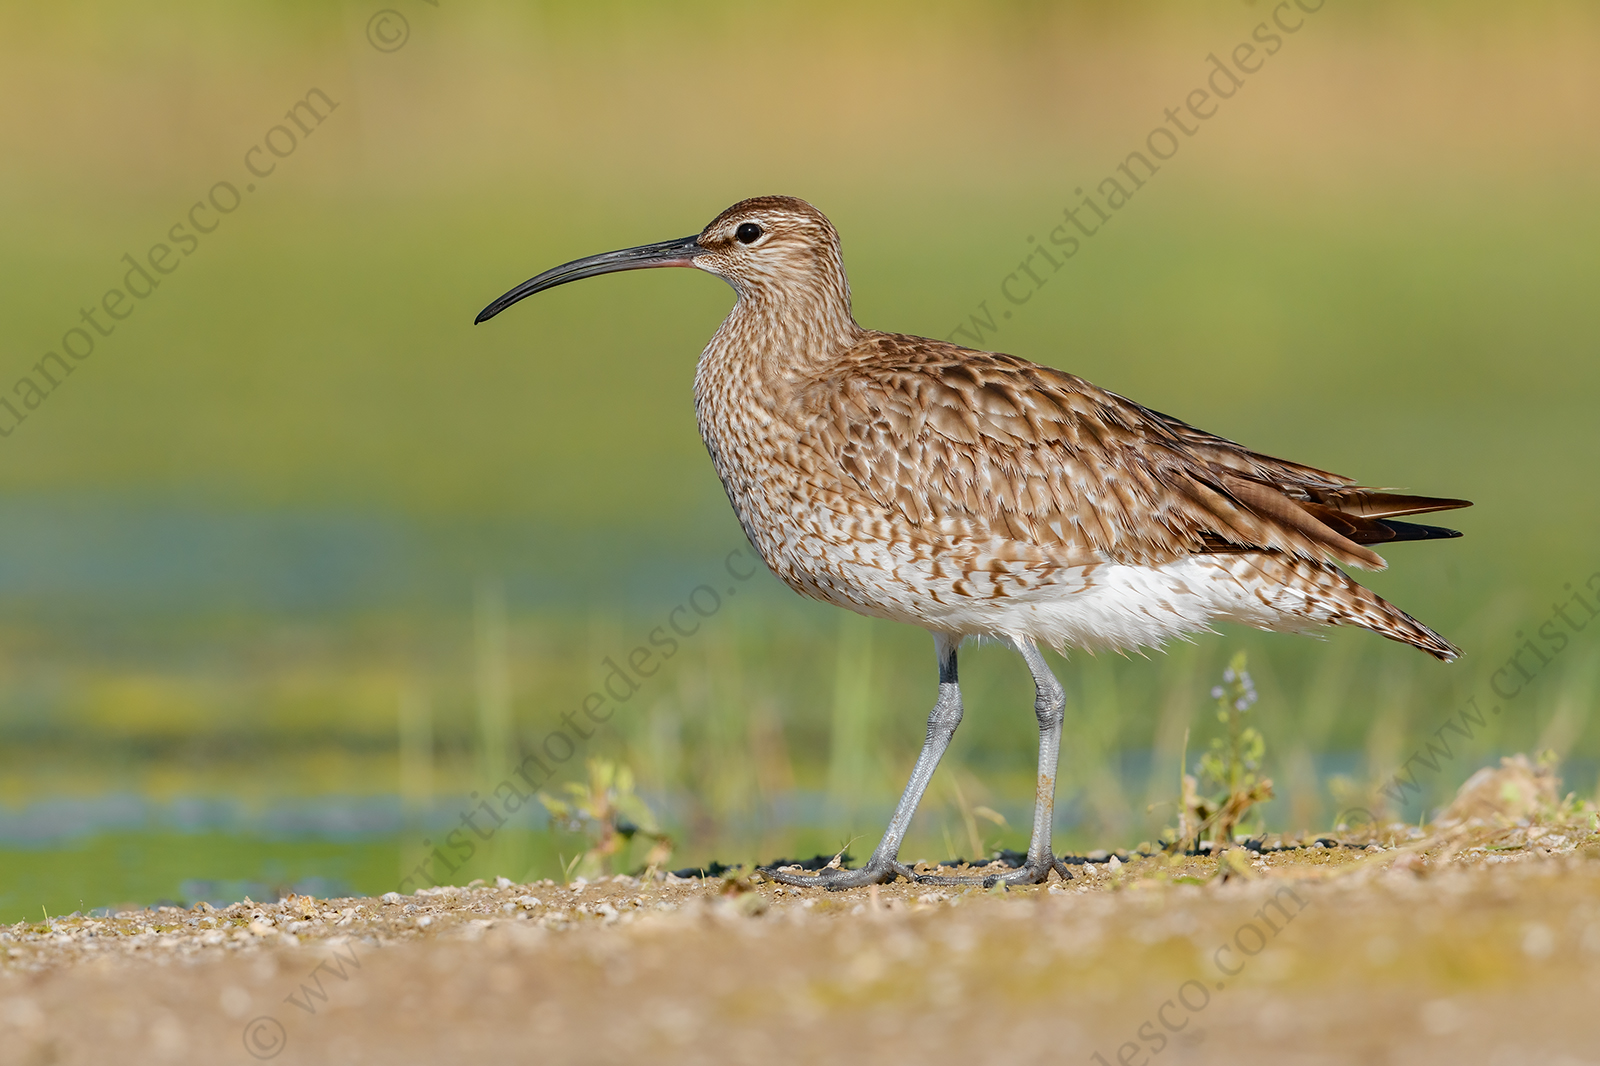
column 979, row 495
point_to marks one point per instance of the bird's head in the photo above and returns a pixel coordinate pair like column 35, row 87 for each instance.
column 766, row 247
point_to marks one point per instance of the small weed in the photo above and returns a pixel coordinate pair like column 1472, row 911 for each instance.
column 612, row 814
column 970, row 813
column 1229, row 782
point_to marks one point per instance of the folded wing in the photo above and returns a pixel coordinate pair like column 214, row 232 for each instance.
column 1003, row 448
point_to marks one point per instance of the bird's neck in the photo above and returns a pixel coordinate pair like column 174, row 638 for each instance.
column 789, row 333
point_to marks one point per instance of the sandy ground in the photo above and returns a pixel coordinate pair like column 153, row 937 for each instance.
column 1477, row 944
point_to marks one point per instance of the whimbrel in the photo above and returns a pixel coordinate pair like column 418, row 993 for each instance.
column 976, row 494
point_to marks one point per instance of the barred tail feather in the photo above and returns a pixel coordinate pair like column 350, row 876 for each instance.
column 1397, row 625
column 1303, row 593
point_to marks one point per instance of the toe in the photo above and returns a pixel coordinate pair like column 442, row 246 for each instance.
column 1028, row 874
column 838, row 880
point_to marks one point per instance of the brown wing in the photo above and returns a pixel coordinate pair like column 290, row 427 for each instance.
column 965, row 445
column 1347, row 508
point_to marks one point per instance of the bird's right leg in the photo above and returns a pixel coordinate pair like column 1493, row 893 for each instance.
column 885, row 863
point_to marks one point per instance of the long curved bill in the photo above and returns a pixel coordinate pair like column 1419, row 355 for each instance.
column 678, row 253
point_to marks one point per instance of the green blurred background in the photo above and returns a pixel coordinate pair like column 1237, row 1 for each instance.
column 298, row 558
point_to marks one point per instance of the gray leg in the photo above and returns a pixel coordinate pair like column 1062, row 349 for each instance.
column 1049, row 705
column 942, row 721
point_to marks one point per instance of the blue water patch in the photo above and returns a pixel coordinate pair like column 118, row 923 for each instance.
column 58, row 821
column 101, row 554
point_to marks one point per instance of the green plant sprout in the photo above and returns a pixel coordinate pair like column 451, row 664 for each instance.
column 970, row 813
column 611, row 814
column 1229, row 782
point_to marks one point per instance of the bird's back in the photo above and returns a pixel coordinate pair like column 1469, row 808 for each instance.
column 918, row 480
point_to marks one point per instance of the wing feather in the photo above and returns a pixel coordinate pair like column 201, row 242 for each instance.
column 950, row 443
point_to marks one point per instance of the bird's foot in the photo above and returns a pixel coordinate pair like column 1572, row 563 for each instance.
column 1031, row 872
column 875, row 872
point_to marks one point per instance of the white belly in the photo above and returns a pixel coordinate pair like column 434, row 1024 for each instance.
column 1106, row 606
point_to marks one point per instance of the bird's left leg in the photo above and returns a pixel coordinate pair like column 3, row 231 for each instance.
column 1049, row 706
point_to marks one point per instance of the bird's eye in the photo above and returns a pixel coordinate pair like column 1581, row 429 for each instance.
column 748, row 233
